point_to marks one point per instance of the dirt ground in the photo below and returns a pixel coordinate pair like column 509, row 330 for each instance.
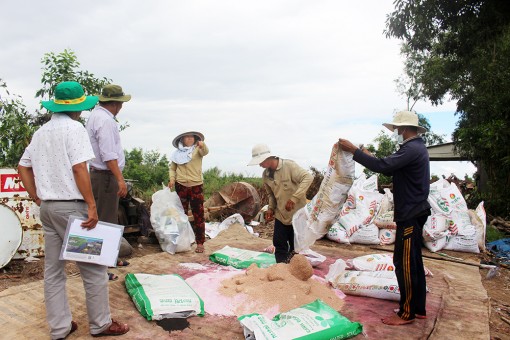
column 19, row 272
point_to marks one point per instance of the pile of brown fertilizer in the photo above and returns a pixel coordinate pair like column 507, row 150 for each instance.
column 276, row 286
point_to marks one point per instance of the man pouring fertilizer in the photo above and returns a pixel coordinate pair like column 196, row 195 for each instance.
column 286, row 184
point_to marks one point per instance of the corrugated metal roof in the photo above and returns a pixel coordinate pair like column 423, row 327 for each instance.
column 444, row 152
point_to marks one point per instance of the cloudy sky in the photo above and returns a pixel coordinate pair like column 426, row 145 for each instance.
column 296, row 75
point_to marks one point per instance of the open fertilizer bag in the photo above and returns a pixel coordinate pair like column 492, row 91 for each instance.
column 170, row 223
column 312, row 321
column 313, row 220
column 213, row 229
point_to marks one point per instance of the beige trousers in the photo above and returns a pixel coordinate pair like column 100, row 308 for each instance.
column 54, row 217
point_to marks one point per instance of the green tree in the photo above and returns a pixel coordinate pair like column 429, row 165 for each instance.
column 461, row 50
column 64, row 66
column 15, row 127
column 148, row 170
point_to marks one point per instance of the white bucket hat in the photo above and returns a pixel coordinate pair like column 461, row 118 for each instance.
column 260, row 153
column 405, row 118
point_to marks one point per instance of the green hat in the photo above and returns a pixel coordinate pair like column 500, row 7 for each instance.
column 113, row 93
column 70, row 97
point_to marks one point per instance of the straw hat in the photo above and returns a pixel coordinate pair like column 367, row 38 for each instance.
column 405, row 118
column 176, row 140
column 113, row 93
column 260, row 153
column 70, row 97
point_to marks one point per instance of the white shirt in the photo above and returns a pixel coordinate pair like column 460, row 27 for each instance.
column 105, row 139
column 55, row 148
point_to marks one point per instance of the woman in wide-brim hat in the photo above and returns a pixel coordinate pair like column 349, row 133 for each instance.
column 186, row 176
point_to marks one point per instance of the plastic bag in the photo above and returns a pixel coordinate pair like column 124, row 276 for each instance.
column 170, row 223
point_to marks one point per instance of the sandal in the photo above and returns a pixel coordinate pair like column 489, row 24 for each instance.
column 116, row 328
column 270, row 249
column 112, row 277
column 122, row 263
column 74, row 327
column 200, row 248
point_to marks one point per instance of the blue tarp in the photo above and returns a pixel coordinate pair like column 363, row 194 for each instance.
column 501, row 249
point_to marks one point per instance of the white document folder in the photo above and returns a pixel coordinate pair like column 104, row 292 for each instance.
column 99, row 245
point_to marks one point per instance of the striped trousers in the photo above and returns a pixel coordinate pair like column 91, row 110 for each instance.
column 409, row 267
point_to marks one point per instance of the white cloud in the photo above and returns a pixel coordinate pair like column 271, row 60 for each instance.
column 293, row 74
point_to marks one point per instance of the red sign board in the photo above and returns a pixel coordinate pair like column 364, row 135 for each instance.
column 11, row 183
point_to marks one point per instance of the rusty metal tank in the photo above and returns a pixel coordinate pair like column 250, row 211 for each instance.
column 14, row 195
column 237, row 197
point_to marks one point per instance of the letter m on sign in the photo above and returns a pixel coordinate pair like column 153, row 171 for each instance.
column 10, row 183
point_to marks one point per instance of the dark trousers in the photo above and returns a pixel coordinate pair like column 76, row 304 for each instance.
column 409, row 267
column 105, row 188
column 283, row 241
column 194, row 197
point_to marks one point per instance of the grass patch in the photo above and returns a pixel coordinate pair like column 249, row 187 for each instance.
column 494, row 234
column 215, row 179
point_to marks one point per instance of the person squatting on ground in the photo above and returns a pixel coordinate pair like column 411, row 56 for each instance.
column 186, row 176
column 286, row 184
column 108, row 184
column 54, row 172
column 410, row 169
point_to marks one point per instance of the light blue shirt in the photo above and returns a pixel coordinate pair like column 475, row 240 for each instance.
column 104, row 136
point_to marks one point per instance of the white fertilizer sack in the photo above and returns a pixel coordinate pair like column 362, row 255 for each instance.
column 163, row 296
column 313, row 220
column 312, row 321
column 387, row 236
column 366, row 235
column 338, row 233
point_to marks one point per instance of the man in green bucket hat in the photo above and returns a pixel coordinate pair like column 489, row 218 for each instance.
column 54, row 172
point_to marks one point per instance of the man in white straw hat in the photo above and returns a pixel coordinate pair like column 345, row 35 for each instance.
column 286, row 184
column 186, row 176
column 410, row 169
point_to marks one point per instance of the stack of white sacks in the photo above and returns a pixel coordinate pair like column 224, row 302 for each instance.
column 366, row 217
column 452, row 226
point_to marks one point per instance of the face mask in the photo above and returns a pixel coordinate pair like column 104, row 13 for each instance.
column 398, row 137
